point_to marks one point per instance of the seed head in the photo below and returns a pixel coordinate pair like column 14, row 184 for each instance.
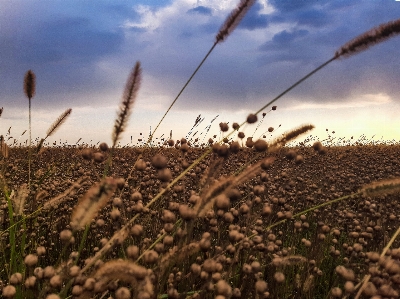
column 30, row 84
column 252, row 118
column 223, row 127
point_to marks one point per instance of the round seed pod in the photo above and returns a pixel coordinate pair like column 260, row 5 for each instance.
column 136, row 196
column 261, row 286
column 77, row 290
column 249, row 142
column 186, row 212
column 150, row 257
column 234, row 147
column 317, row 146
column 251, row 118
column 140, row 165
column 132, row 251
column 16, row 278
column 222, row 202
column 299, row 159
column 9, row 291
column 291, row 154
column 87, row 154
column 103, row 147
column 279, row 277
column 31, row 260
column 56, row 281
column 98, row 157
column 30, row 282
column 184, row 147
column 65, row 235
column 48, row 272
column 137, row 230
column 159, row 161
column 260, row 145
column 164, row 175
column 224, row 127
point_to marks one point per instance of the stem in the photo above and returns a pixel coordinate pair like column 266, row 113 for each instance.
column 183, row 88
column 313, row 208
column 295, row 84
column 29, row 148
column 84, row 237
column 12, row 232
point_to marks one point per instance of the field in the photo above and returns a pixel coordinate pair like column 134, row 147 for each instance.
column 230, row 218
column 262, row 235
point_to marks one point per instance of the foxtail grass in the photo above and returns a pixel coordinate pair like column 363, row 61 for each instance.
column 89, row 205
column 128, row 99
column 227, row 28
column 55, row 125
column 30, row 89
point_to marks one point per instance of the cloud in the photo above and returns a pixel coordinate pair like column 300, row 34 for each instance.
column 254, row 19
column 287, row 6
column 362, row 101
column 284, row 40
column 200, row 10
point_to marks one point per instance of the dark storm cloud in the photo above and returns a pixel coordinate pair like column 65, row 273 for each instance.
column 254, row 19
column 62, row 49
column 67, row 40
column 284, row 40
column 64, row 43
column 201, row 10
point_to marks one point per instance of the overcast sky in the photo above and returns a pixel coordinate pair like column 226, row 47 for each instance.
column 83, row 51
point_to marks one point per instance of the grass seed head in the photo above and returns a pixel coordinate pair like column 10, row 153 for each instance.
column 30, row 84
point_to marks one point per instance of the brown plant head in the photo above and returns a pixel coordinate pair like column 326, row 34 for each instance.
column 233, row 19
column 369, row 38
column 30, row 84
column 94, row 199
column 58, row 122
column 130, row 92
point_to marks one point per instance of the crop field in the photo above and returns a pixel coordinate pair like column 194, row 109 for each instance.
column 286, row 217
column 299, row 222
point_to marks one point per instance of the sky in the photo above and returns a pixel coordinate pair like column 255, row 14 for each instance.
column 83, row 51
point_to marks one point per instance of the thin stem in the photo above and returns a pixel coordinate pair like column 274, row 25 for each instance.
column 29, row 148
column 183, row 88
column 295, row 84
